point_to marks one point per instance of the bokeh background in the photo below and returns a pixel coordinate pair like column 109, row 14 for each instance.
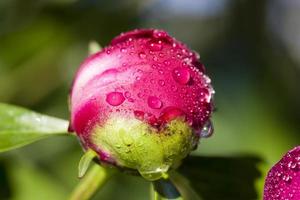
column 251, row 50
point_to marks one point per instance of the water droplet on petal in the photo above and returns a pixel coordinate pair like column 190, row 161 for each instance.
column 181, row 75
column 167, row 63
column 174, row 88
column 140, row 95
column 151, row 119
column 130, row 99
column 139, row 114
column 161, row 82
column 171, row 113
column 155, row 46
column 154, row 102
column 161, row 55
column 115, row 98
column 127, row 94
column 159, row 34
column 123, row 49
column 142, row 55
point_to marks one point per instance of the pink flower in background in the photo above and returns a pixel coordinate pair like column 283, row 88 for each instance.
column 283, row 180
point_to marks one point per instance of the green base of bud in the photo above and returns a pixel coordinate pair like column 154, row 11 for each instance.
column 136, row 145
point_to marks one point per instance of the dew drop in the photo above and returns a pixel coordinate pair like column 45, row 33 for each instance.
column 167, row 63
column 127, row 94
column 287, row 178
column 140, row 95
column 159, row 34
column 155, row 46
column 154, row 102
column 154, row 66
column 142, row 55
column 151, row 119
column 174, row 88
column 171, row 113
column 115, row 98
column 154, row 174
column 131, row 100
column 181, row 75
column 161, row 82
column 123, row 50
column 139, row 114
column 207, row 130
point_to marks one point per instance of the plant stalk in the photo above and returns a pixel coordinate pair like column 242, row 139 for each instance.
column 95, row 179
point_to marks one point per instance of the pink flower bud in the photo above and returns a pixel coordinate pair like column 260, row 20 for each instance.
column 138, row 95
column 283, row 180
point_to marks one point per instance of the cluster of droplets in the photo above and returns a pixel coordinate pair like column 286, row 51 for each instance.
column 186, row 80
column 283, row 180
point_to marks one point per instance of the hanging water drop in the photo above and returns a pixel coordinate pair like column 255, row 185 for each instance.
column 207, row 130
column 154, row 174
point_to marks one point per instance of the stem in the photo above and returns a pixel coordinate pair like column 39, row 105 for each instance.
column 95, row 178
column 184, row 187
column 154, row 194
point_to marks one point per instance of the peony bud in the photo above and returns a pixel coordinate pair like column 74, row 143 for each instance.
column 142, row 103
column 283, row 180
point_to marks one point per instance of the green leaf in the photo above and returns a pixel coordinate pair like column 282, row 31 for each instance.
column 19, row 126
column 214, row 178
column 85, row 162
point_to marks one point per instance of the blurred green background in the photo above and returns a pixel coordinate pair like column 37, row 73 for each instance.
column 251, row 50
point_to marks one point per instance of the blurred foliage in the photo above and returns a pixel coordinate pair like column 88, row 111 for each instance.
column 253, row 66
column 225, row 178
column 19, row 126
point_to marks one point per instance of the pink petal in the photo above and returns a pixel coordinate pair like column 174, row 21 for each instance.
column 283, row 180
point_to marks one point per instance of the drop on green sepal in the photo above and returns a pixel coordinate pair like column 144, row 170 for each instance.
column 85, row 162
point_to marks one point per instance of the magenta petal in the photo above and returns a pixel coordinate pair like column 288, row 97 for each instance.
column 143, row 70
column 283, row 180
